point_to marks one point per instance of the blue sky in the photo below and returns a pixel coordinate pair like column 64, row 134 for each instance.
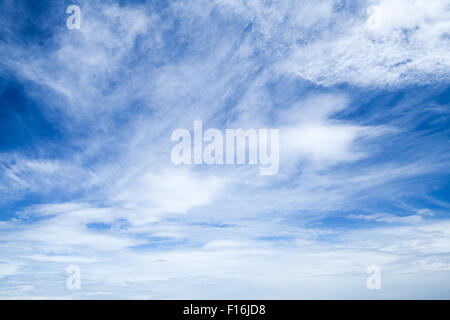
column 360, row 93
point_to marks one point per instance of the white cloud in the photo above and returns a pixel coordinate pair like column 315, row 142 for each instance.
column 300, row 267
column 399, row 42
column 172, row 232
column 309, row 131
column 62, row 259
column 389, row 218
column 147, row 195
column 8, row 269
column 21, row 174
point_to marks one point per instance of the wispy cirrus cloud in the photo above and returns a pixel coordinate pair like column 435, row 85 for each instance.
column 363, row 160
column 395, row 43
